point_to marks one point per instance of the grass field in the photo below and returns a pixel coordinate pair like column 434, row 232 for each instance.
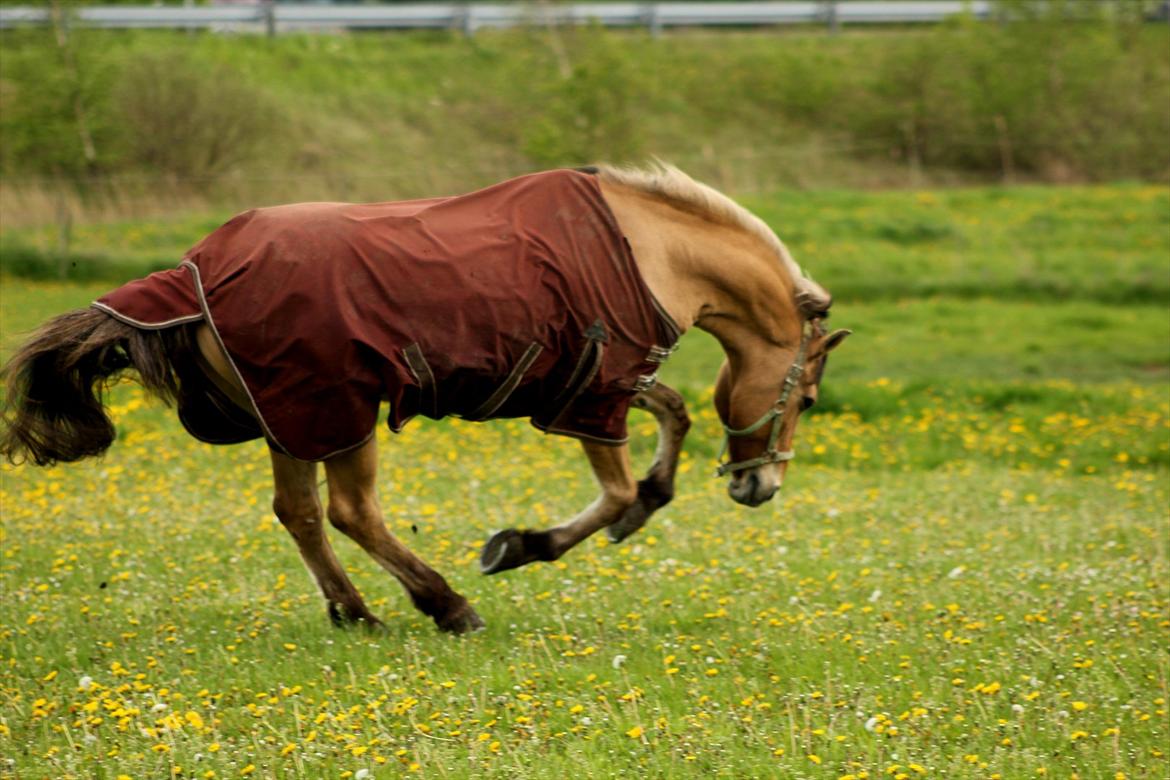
column 966, row 574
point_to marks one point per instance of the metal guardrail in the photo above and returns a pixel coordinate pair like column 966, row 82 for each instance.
column 469, row 17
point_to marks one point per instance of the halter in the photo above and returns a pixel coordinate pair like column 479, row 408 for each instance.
column 775, row 415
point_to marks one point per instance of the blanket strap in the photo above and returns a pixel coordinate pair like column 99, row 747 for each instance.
column 587, row 367
column 501, row 394
column 429, row 401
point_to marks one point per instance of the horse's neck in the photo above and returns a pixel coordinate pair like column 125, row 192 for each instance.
column 721, row 279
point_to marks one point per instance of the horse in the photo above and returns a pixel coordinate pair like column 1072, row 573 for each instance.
column 690, row 253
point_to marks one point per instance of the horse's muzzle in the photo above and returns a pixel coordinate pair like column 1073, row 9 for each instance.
column 747, row 489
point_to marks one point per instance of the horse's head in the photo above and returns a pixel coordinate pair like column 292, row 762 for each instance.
column 760, row 403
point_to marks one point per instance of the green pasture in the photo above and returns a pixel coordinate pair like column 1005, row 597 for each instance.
column 965, row 575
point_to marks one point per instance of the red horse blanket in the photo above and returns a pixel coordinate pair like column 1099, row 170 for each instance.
column 519, row 300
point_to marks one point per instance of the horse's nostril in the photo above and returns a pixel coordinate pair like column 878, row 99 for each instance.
column 753, row 484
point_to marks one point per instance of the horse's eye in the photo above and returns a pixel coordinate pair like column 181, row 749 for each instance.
column 809, row 402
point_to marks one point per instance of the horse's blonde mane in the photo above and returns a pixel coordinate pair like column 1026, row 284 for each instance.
column 671, row 184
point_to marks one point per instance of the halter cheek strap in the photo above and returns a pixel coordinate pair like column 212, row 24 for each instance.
column 775, row 415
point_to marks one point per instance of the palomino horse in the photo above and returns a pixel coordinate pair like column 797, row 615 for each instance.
column 655, row 253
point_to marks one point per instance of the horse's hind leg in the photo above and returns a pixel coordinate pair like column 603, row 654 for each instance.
column 354, row 510
column 296, row 503
column 656, row 489
column 299, row 510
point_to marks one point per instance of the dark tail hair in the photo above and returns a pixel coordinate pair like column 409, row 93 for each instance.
column 53, row 409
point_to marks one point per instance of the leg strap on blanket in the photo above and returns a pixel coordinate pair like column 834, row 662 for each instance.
column 587, row 367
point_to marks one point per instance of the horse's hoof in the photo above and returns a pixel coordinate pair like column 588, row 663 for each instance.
column 505, row 550
column 343, row 617
column 464, row 621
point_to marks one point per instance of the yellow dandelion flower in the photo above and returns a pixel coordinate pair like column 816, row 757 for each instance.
column 635, row 732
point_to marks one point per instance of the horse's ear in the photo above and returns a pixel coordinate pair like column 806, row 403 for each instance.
column 834, row 339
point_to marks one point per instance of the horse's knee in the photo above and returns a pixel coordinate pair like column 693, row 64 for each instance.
column 349, row 516
column 297, row 513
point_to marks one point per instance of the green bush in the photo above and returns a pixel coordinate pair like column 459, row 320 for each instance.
column 591, row 113
column 395, row 114
column 189, row 121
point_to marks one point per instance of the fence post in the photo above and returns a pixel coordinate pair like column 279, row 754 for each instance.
column 268, row 9
column 64, row 234
column 653, row 22
column 1006, row 159
column 461, row 18
column 831, row 17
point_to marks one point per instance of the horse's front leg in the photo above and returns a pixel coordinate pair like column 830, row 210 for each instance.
column 656, row 489
column 611, row 465
column 354, row 510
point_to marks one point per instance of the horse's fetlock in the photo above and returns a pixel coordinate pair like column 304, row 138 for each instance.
column 539, row 546
column 437, row 600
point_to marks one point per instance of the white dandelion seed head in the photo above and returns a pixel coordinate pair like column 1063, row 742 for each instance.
column 618, row 660
column 871, row 724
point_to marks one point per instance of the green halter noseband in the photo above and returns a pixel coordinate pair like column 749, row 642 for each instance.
column 775, row 415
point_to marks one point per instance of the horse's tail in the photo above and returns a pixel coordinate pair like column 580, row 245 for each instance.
column 53, row 409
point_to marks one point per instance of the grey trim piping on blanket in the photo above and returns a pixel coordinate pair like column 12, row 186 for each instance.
column 145, row 325
column 575, row 435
